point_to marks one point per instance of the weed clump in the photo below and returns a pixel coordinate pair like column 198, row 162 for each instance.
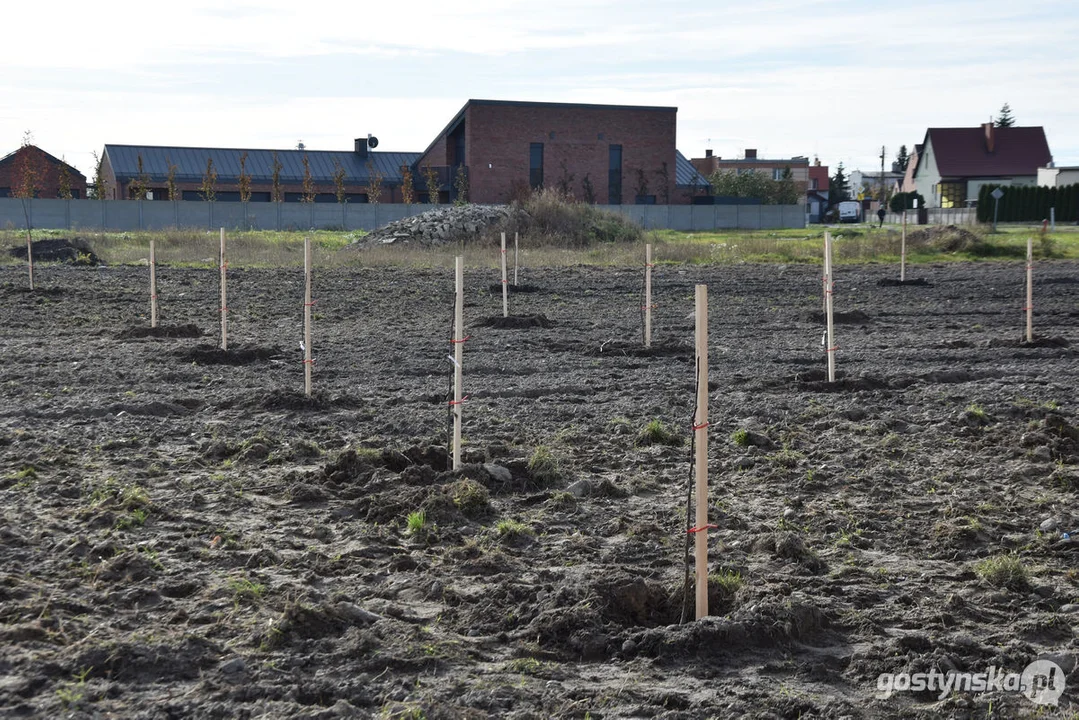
column 656, row 433
column 544, row 467
column 470, row 497
column 1003, row 571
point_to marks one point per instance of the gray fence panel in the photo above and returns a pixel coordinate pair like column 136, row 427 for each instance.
column 126, row 215
column 771, row 216
column 680, row 217
column 726, row 216
column 48, row 213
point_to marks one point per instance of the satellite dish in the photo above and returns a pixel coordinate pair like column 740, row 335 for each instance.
column 372, row 141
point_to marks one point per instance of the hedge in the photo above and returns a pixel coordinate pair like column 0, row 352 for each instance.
column 1029, row 203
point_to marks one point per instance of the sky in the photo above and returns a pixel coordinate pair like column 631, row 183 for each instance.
column 835, row 80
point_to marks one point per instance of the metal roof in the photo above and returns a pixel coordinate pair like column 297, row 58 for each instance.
column 685, row 174
column 191, row 163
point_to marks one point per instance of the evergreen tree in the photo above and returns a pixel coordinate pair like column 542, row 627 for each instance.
column 1005, row 119
column 838, row 188
column 902, row 159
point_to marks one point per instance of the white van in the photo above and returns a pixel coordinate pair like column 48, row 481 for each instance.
column 850, row 211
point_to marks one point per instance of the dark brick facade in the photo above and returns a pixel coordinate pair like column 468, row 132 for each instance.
column 576, row 143
column 46, row 170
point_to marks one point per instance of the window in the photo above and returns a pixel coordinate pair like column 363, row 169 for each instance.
column 813, row 184
column 777, row 174
column 614, row 175
column 535, row 165
column 952, row 195
column 5, row 192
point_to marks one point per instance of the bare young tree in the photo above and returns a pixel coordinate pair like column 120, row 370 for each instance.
column 408, row 192
column 308, row 187
column 374, row 184
column 141, row 184
column 565, row 181
column 245, row 180
column 63, row 181
column 339, row 176
column 275, row 179
column 430, row 178
column 97, row 184
column 209, row 182
column 27, row 178
column 460, row 184
column 170, row 180
column 664, row 176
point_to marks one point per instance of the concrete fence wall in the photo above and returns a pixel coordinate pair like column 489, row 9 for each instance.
column 121, row 215
column 935, row 216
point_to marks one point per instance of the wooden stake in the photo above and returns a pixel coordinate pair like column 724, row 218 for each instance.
column 700, row 428
column 153, row 284
column 224, row 296
column 829, row 287
column 307, row 304
column 648, row 295
column 903, row 251
column 516, row 248
column 1030, row 290
column 30, row 257
column 505, row 286
column 458, row 358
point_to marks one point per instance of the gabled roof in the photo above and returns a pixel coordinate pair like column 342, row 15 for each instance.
column 190, row 163
column 10, row 157
column 963, row 152
column 685, row 175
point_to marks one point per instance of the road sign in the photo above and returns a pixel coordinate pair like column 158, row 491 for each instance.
column 997, row 194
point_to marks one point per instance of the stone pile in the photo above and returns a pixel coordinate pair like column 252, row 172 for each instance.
column 443, row 225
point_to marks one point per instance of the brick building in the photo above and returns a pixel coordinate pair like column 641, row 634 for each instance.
column 495, row 150
column 609, row 154
column 46, row 174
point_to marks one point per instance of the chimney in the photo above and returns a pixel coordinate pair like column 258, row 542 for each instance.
column 751, row 153
column 361, row 147
column 708, row 153
column 990, row 136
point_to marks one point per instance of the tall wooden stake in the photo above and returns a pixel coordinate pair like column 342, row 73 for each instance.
column 153, row 284
column 505, row 285
column 224, row 296
column 648, row 295
column 516, row 248
column 1030, row 289
column 829, row 287
column 458, row 358
column 903, row 250
column 700, row 428
column 307, row 304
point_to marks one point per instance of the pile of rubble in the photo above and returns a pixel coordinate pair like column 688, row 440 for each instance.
column 446, row 224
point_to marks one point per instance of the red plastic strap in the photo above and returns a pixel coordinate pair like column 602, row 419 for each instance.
column 459, row 402
column 224, row 309
column 464, row 339
column 831, row 349
column 702, row 426
column 226, row 265
column 652, row 306
column 505, row 281
column 649, row 265
column 704, row 528
column 153, row 297
column 1025, row 308
column 311, row 361
column 310, row 304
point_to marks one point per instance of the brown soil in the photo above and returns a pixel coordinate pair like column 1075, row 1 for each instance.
column 184, row 534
